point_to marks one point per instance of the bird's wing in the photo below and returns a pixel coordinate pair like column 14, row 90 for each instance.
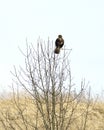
column 57, row 42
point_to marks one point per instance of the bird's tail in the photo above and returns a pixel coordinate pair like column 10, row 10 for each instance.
column 57, row 50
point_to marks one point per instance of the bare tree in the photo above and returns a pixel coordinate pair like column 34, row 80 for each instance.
column 47, row 80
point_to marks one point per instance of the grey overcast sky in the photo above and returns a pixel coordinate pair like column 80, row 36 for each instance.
column 81, row 22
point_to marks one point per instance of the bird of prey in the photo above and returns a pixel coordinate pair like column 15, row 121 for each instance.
column 59, row 44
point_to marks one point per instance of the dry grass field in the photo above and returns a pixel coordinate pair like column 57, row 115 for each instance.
column 21, row 114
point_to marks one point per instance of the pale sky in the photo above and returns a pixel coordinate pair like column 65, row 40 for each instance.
column 81, row 22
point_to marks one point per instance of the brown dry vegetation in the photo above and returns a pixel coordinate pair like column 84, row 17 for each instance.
column 21, row 114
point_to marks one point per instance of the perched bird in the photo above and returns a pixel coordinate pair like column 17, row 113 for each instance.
column 59, row 44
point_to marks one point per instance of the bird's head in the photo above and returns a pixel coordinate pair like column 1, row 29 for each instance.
column 59, row 36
